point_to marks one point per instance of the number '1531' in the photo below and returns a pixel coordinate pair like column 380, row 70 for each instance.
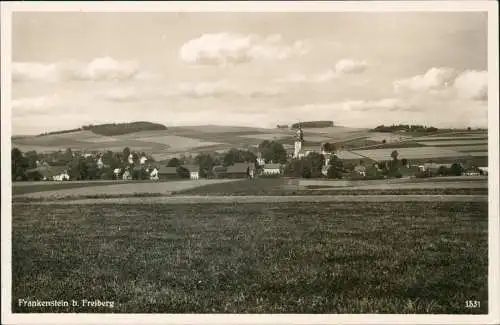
column 472, row 304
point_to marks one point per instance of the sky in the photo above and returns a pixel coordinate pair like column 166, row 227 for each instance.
column 359, row 69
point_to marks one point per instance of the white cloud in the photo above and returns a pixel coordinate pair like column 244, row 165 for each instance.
column 189, row 90
column 349, row 66
column 472, row 84
column 34, row 105
column 446, row 83
column 433, row 79
column 98, row 69
column 342, row 68
column 226, row 48
column 223, row 88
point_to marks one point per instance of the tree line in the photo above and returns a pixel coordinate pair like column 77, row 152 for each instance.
column 405, row 127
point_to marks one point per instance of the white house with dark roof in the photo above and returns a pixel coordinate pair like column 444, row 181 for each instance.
column 194, row 171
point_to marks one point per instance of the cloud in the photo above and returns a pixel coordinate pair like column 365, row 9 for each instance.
column 99, row 69
column 349, row 66
column 472, row 84
column 342, row 68
column 446, row 83
column 34, row 105
column 433, row 79
column 227, row 48
column 222, row 89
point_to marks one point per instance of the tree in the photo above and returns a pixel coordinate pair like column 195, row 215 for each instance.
column 336, row 167
column 333, row 173
column 316, row 162
column 238, row 156
column 273, row 151
column 382, row 165
column 126, row 153
column 31, row 158
column 174, row 162
column 205, row 162
column 19, row 164
column 329, row 147
column 394, row 155
column 182, row 172
column 404, row 162
column 456, row 169
column 442, row 171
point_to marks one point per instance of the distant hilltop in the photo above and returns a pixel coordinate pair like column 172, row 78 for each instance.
column 111, row 129
column 313, row 124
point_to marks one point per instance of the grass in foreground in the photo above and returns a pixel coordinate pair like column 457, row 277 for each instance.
column 256, row 258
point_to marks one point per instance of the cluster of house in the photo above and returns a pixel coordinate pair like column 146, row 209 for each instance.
column 238, row 170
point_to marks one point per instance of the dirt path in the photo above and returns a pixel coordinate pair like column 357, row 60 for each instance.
column 271, row 199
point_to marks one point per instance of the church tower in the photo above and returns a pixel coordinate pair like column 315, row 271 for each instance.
column 299, row 141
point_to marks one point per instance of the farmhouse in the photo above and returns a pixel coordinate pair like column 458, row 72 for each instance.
column 219, row 171
column 272, row 169
column 433, row 167
column 168, row 173
column 117, row 172
column 153, row 174
column 483, row 170
column 52, row 173
column 240, row 170
column 194, row 171
column 126, row 176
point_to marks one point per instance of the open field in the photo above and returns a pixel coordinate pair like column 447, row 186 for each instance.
column 478, row 153
column 453, row 142
column 175, row 140
column 32, row 191
column 474, row 137
column 479, row 147
column 313, row 187
column 409, row 153
column 122, row 188
column 335, row 257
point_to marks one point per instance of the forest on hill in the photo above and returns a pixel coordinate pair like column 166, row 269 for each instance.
column 313, row 124
column 111, row 129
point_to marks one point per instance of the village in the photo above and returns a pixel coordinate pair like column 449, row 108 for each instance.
column 270, row 159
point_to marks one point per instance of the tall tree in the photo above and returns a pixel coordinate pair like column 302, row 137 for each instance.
column 19, row 164
column 174, row 162
column 126, row 153
column 205, row 162
column 273, row 151
column 394, row 155
column 316, row 163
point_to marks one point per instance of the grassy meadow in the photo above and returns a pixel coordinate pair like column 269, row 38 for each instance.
column 379, row 257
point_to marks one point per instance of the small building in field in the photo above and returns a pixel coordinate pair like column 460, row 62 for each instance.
column 127, row 175
column 194, row 171
column 219, row 171
column 239, row 170
column 117, row 172
column 61, row 176
column 168, row 173
column 472, row 171
column 143, row 160
column 433, row 167
column 483, row 171
column 153, row 174
column 272, row 169
column 52, row 173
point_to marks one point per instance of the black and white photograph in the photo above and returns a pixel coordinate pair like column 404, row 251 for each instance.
column 254, row 159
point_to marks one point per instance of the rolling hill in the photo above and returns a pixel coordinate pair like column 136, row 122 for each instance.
column 176, row 140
